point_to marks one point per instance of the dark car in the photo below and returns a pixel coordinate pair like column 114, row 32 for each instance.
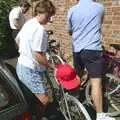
column 16, row 100
column 13, row 105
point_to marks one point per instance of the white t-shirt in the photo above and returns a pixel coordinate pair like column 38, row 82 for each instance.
column 16, row 13
column 32, row 37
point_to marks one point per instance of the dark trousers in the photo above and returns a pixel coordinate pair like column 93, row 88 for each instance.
column 14, row 33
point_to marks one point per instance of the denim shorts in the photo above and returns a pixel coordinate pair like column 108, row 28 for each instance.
column 92, row 60
column 34, row 80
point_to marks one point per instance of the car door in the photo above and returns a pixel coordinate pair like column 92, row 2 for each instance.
column 12, row 101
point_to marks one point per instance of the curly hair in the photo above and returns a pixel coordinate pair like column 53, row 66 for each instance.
column 44, row 6
column 25, row 4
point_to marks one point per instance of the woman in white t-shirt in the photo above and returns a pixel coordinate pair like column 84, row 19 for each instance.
column 33, row 43
column 17, row 18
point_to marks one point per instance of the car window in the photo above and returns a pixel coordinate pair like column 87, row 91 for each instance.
column 8, row 96
column 12, row 101
column 4, row 97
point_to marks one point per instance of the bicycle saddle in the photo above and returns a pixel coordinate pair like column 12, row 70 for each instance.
column 116, row 46
column 51, row 41
column 50, row 32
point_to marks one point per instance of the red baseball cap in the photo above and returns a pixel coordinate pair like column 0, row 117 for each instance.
column 67, row 76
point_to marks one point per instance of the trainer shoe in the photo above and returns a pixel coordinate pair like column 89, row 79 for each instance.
column 103, row 116
column 44, row 118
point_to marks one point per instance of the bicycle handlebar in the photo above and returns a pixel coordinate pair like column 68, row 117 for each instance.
column 116, row 46
column 50, row 32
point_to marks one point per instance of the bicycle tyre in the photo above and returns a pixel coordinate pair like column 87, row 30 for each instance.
column 72, row 109
column 88, row 93
column 113, row 97
column 111, row 103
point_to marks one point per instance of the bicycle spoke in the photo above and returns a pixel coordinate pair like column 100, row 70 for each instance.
column 72, row 110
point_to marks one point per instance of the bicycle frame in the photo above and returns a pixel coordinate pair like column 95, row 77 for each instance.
column 112, row 85
column 111, row 78
column 113, row 64
column 113, row 74
column 62, row 98
column 59, row 87
column 59, row 93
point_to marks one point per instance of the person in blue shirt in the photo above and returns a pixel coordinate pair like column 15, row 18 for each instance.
column 84, row 21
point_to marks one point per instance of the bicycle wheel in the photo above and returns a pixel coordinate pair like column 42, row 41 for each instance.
column 88, row 93
column 72, row 109
column 112, row 94
column 111, row 100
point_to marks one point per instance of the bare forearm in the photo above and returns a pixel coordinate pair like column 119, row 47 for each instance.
column 41, row 58
column 16, row 23
column 17, row 26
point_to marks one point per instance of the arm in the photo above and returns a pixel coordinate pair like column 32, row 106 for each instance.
column 103, row 13
column 41, row 58
column 102, row 19
column 16, row 23
column 17, row 39
column 16, row 17
column 70, row 33
column 39, row 47
column 69, row 23
column 17, row 42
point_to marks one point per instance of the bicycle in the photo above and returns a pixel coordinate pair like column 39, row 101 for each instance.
column 70, row 107
column 112, row 82
column 54, row 47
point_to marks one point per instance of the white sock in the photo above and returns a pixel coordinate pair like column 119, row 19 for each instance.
column 100, row 114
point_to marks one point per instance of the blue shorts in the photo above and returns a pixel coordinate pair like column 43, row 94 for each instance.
column 92, row 60
column 34, row 80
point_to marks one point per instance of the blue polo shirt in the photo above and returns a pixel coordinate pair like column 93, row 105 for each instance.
column 84, row 22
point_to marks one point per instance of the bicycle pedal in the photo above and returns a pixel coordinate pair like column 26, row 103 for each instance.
column 110, row 75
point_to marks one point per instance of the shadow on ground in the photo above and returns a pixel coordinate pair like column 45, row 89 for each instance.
column 53, row 113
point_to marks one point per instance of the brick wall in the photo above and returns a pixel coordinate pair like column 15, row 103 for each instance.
column 59, row 26
column 111, row 26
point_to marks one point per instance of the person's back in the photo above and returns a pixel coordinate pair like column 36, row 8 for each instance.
column 84, row 25
column 85, row 19
column 17, row 18
column 14, row 14
column 27, row 44
column 32, row 64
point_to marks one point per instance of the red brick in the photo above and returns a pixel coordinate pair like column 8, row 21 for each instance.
column 111, row 24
